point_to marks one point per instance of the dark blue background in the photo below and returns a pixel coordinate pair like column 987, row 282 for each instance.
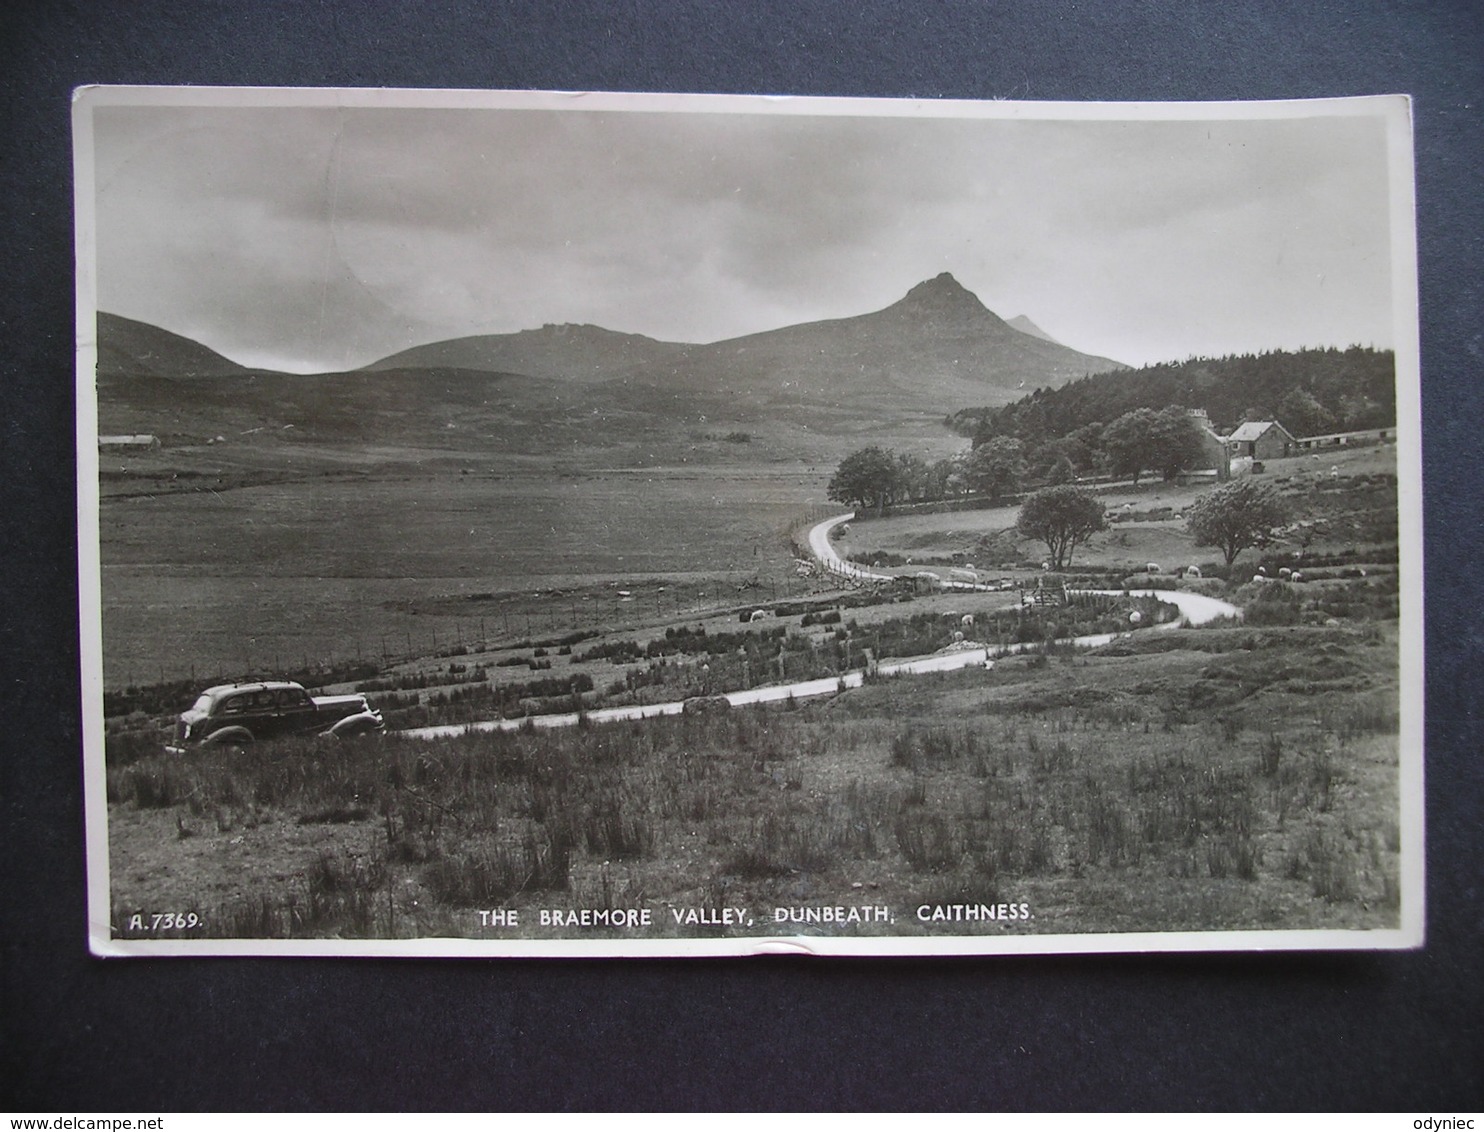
column 1212, row 1032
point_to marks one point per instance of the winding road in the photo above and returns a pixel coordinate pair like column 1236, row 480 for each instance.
column 1195, row 609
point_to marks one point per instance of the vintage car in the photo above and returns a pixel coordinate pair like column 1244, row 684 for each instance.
column 238, row 714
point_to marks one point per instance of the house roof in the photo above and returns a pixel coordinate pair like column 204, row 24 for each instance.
column 1251, row 430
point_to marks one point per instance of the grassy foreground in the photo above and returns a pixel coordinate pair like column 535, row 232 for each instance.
column 1226, row 778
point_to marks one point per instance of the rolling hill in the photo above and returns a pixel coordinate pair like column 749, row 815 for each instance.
column 935, row 347
column 902, row 366
column 129, row 347
column 564, row 352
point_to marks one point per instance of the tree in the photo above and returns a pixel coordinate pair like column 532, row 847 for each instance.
column 1175, row 443
column 912, row 474
column 1128, row 443
column 996, row 466
column 1068, row 450
column 1236, row 516
column 1303, row 414
column 1061, row 472
column 946, row 478
column 1062, row 517
column 867, row 478
column 1090, row 438
column 1167, row 441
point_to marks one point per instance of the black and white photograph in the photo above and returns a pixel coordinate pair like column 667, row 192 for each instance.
column 573, row 524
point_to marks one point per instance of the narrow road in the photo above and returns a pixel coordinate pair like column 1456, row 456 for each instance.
column 826, row 686
column 1195, row 609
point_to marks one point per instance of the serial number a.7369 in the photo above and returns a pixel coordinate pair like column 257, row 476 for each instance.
column 164, row 921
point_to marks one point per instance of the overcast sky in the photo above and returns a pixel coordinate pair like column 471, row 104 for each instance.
column 320, row 238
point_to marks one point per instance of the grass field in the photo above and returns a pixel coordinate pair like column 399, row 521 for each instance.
column 267, row 576
column 1227, row 778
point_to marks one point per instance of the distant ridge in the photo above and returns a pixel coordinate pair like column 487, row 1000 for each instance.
column 932, row 349
column 566, row 351
column 1023, row 324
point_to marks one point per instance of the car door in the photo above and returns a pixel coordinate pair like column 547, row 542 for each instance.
column 296, row 711
column 238, row 710
column 263, row 715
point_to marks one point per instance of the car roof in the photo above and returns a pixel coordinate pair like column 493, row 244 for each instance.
column 256, row 686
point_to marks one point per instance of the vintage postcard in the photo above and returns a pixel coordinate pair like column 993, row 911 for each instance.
column 572, row 524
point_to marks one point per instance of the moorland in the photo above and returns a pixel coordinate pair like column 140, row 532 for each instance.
column 464, row 544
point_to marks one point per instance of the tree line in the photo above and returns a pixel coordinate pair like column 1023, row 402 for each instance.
column 1166, row 442
column 1311, row 391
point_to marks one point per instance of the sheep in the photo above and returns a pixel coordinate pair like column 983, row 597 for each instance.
column 1296, row 576
column 1285, row 572
column 957, row 637
column 1152, row 568
column 1192, row 571
column 967, row 620
column 758, row 615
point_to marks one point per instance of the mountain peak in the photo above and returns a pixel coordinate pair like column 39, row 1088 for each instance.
column 942, row 287
column 944, row 298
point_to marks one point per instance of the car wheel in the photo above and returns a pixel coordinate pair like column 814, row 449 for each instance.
column 236, row 737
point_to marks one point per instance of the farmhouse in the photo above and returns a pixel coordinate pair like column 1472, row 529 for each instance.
column 1214, row 453
column 1261, row 440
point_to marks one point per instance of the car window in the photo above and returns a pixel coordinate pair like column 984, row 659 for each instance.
column 262, row 700
column 235, row 704
column 292, row 698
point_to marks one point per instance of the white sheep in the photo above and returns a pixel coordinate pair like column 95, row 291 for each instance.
column 1192, row 571
column 967, row 620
